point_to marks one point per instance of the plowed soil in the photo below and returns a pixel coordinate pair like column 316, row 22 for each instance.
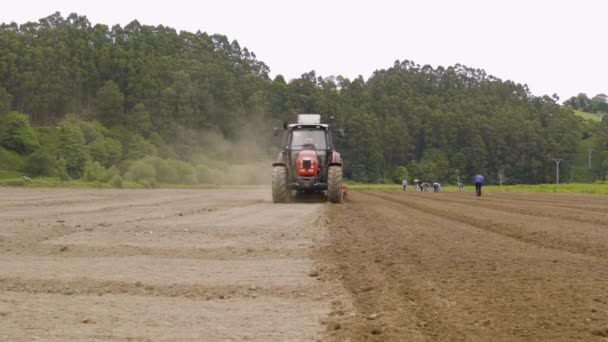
column 453, row 267
column 215, row 265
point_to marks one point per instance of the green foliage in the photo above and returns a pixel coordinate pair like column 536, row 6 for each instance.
column 97, row 151
column 49, row 138
column 179, row 95
column 587, row 116
column 434, row 165
column 163, row 150
column 582, row 103
column 138, row 120
column 106, row 151
column 95, row 172
column 400, row 174
column 13, row 182
column 114, row 151
column 71, row 149
column 40, row 163
column 110, row 105
column 174, row 171
column 16, row 133
column 143, row 173
column 61, row 170
column 90, row 131
column 5, row 101
column 367, row 161
column 140, row 148
column 10, row 160
column 116, row 181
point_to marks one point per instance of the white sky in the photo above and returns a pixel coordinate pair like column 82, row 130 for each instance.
column 553, row 46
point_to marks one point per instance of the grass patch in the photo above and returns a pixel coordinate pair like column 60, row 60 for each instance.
column 54, row 182
column 593, row 188
column 587, row 116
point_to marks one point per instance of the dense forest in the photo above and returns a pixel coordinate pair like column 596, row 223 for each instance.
column 151, row 105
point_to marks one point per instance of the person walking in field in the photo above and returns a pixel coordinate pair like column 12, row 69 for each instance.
column 436, row 187
column 416, row 181
column 478, row 179
column 460, row 187
column 404, row 185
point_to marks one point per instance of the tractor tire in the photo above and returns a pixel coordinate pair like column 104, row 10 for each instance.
column 334, row 184
column 280, row 193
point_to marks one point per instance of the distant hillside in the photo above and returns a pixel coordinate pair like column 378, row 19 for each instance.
column 105, row 97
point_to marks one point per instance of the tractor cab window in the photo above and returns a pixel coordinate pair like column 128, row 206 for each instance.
column 308, row 139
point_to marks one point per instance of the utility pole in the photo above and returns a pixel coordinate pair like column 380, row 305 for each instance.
column 557, row 162
column 589, row 158
column 457, row 175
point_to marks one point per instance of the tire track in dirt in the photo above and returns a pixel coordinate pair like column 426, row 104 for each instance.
column 86, row 286
column 419, row 276
column 550, row 234
column 236, row 253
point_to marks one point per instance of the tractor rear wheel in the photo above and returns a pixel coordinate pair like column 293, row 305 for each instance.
column 334, row 184
column 280, row 193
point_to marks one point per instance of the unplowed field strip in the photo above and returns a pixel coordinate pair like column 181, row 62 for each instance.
column 160, row 265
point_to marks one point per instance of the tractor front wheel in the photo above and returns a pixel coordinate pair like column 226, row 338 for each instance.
column 280, row 193
column 334, row 184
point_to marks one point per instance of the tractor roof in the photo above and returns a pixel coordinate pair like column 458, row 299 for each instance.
column 309, row 121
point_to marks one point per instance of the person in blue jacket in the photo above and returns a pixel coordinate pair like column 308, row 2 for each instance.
column 478, row 179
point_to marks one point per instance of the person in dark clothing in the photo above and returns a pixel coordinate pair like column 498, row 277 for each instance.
column 478, row 179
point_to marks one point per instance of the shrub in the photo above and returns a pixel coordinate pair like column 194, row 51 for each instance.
column 141, row 172
column 16, row 133
column 116, row 181
column 165, row 173
column 93, row 171
column 97, row 151
column 14, row 182
column 140, row 148
column 400, row 174
column 72, row 149
column 40, row 164
column 89, row 131
column 10, row 160
column 114, row 150
column 60, row 170
column 185, row 171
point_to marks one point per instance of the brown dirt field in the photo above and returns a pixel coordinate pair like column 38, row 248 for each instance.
column 150, row 265
column 453, row 267
column 216, row 265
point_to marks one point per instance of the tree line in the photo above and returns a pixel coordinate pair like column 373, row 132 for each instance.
column 149, row 103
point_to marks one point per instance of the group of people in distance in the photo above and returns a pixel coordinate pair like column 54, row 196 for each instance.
column 422, row 186
column 426, row 187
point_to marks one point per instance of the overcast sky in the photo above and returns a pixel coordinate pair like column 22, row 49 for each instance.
column 553, row 46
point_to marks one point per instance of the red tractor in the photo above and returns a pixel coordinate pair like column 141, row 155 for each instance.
column 308, row 161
